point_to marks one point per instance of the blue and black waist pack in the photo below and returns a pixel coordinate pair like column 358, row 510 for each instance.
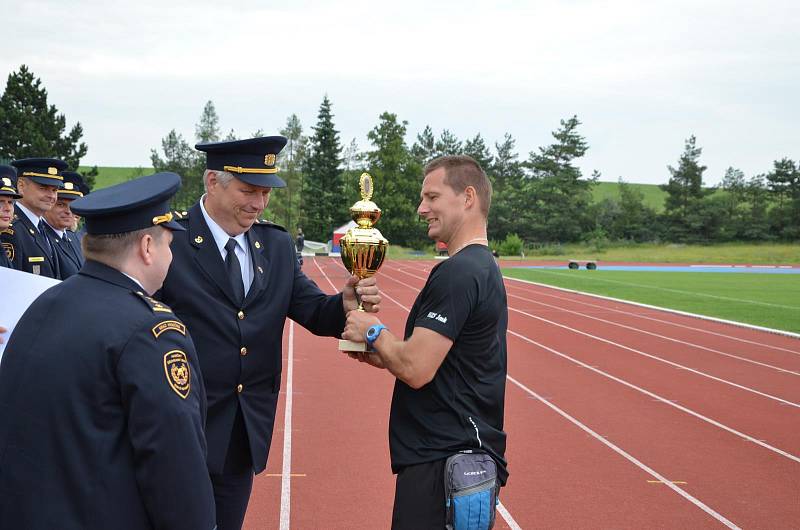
column 471, row 488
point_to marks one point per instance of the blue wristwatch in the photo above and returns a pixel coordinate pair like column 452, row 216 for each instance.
column 373, row 333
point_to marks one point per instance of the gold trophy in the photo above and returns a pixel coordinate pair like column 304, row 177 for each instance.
column 363, row 246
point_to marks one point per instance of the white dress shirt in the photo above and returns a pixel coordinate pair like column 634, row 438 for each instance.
column 221, row 238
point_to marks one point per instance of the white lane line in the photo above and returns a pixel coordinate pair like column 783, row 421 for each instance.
column 286, row 477
column 648, row 393
column 661, row 399
column 638, row 315
column 500, row 508
column 690, row 344
column 677, row 489
column 679, row 291
column 659, row 359
column 639, row 352
column 335, row 290
column 507, row 516
column 665, row 309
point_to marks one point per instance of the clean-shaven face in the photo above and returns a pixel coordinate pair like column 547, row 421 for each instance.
column 6, row 211
column 38, row 198
column 440, row 206
column 238, row 206
column 60, row 216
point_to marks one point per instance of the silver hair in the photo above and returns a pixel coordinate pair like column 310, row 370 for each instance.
column 224, row 178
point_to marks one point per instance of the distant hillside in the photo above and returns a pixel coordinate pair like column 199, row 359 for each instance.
column 653, row 196
column 114, row 175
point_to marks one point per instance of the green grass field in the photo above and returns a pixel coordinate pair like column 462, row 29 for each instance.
column 761, row 253
column 770, row 300
column 654, row 196
column 109, row 176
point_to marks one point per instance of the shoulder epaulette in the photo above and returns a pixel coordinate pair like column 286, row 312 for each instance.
column 270, row 224
column 180, row 214
column 9, row 231
column 153, row 304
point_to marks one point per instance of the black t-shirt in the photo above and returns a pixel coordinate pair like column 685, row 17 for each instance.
column 464, row 299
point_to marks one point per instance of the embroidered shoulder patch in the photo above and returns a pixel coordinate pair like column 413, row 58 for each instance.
column 169, row 325
column 176, row 367
column 8, row 248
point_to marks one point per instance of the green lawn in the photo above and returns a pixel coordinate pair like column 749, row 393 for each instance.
column 761, row 253
column 114, row 175
column 771, row 300
column 654, row 196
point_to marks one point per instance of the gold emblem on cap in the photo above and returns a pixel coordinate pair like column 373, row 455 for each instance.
column 269, row 160
column 52, row 171
column 158, row 219
column 6, row 181
column 68, row 186
column 198, row 239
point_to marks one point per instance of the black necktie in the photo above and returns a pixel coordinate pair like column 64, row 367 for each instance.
column 234, row 270
column 45, row 239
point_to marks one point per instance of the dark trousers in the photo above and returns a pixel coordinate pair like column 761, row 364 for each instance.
column 233, row 486
column 419, row 502
column 231, row 495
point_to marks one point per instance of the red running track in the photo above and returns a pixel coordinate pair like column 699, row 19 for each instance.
column 617, row 417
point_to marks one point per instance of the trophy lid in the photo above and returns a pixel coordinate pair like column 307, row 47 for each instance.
column 365, row 212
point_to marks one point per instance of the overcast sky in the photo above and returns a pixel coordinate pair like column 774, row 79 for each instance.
column 642, row 76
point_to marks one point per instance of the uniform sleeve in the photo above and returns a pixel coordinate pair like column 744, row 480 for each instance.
column 316, row 311
column 164, row 401
column 447, row 302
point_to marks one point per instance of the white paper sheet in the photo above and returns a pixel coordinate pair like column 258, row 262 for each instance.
column 18, row 290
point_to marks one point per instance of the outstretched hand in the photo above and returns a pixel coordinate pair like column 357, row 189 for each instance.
column 365, row 290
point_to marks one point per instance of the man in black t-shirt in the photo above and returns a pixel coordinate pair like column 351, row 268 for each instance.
column 451, row 363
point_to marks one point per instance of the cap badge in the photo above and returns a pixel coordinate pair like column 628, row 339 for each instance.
column 269, row 160
column 52, row 171
column 68, row 186
column 6, row 181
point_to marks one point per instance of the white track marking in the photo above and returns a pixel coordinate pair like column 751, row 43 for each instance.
column 648, row 393
column 335, row 290
column 677, row 489
column 691, row 293
column 641, row 331
column 286, row 473
column 665, row 309
column 690, row 344
column 659, row 359
column 645, row 317
column 639, row 352
column 507, row 516
column 661, row 399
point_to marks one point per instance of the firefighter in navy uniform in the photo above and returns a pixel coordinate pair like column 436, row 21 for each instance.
column 8, row 196
column 101, row 415
column 59, row 221
column 234, row 281
column 38, row 181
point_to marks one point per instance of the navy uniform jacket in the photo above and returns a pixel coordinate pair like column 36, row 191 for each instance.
column 68, row 252
column 4, row 261
column 101, row 415
column 27, row 254
column 241, row 345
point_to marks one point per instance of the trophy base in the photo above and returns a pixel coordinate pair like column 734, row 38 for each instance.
column 349, row 345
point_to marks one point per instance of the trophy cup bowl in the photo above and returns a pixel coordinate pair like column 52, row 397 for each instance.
column 363, row 247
